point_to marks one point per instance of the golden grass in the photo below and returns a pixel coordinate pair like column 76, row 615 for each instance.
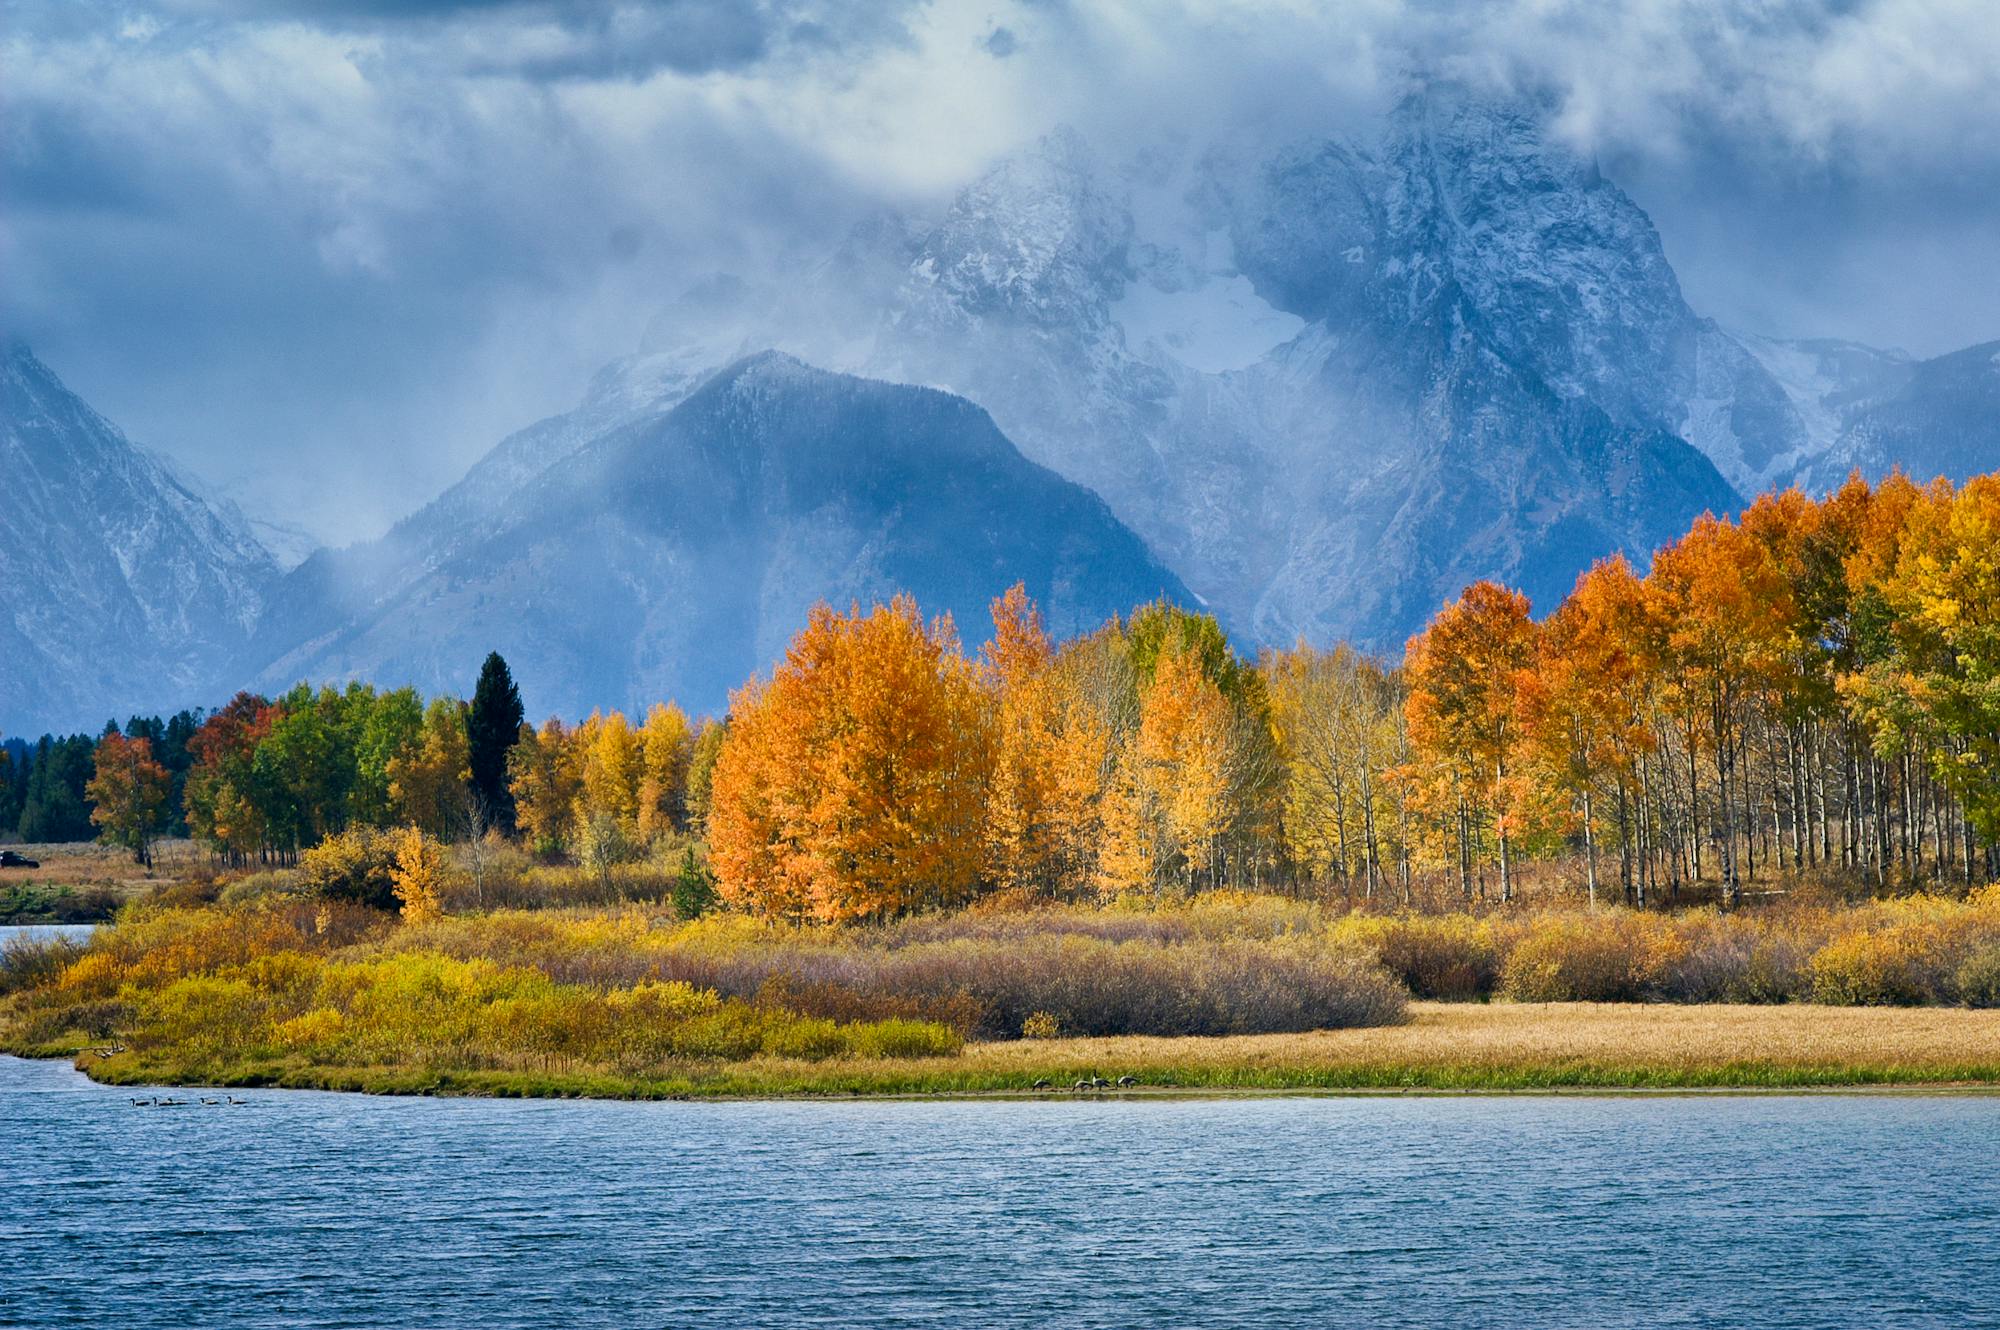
column 1445, row 1046
column 1522, row 1036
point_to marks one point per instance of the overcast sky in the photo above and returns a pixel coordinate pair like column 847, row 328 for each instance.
column 328, row 253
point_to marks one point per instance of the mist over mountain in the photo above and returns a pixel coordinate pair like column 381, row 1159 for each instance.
column 1328, row 382
column 1319, row 384
column 678, row 550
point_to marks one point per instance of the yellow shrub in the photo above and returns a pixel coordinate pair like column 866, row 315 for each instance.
column 1587, row 958
column 1449, row 957
column 94, row 975
column 1893, row 967
column 318, row 1029
column 1041, row 1025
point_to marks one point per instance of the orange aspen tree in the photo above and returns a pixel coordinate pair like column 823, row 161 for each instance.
column 1019, row 834
column 1462, row 671
column 130, row 792
column 1727, row 617
column 854, row 782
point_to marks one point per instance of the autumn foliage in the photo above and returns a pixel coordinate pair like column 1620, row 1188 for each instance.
column 854, row 781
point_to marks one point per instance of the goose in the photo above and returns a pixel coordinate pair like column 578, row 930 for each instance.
column 1042, row 1084
column 1098, row 1083
column 206, row 1100
column 238, row 1102
column 142, row 1103
column 1084, row 1084
column 1128, row 1080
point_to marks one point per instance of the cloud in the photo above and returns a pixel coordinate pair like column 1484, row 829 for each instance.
column 311, row 244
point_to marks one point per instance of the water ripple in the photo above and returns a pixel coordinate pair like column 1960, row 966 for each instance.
column 333, row 1211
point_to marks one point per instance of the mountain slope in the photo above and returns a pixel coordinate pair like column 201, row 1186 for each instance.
column 120, row 586
column 678, row 552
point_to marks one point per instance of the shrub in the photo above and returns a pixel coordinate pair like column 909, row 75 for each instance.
column 1587, row 958
column 1735, row 958
column 35, row 964
column 355, row 865
column 904, row 1039
column 1979, row 978
column 1906, row 952
column 1041, row 1025
column 806, row 1037
column 1449, row 957
column 1873, row 970
column 257, row 886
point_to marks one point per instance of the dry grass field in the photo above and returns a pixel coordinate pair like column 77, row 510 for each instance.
column 85, row 882
column 1445, row 1047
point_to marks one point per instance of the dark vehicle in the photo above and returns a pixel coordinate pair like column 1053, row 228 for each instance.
column 9, row 859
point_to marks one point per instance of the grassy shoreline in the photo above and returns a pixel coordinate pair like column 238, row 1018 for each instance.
column 1445, row 1048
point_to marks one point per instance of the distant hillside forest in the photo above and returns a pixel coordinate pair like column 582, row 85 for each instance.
column 1812, row 689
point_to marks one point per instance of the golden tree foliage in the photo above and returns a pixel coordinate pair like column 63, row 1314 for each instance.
column 543, row 775
column 428, row 785
column 854, row 782
column 1334, row 723
column 418, row 876
column 1464, row 673
column 666, row 744
column 1020, row 835
column 612, row 765
column 1170, row 803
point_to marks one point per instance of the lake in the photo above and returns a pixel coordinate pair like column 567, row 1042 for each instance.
column 44, row 932
column 309, row 1209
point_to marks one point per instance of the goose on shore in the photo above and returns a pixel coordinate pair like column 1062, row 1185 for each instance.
column 1042, row 1084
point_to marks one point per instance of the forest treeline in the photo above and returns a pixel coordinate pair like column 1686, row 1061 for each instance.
column 1810, row 689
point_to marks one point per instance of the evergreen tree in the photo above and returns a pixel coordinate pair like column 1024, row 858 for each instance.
column 492, row 727
column 54, row 805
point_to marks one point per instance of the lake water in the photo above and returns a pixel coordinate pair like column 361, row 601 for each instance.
column 305, row 1209
column 43, row 932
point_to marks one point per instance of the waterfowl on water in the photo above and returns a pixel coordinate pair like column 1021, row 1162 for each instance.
column 234, row 1100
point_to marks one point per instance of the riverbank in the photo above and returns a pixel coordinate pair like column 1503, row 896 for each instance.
column 1445, row 1047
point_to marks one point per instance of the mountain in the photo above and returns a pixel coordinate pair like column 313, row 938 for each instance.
column 1325, row 382
column 121, row 586
column 678, row 549
column 1328, row 384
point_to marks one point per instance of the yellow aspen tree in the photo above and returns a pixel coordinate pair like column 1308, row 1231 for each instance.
column 418, row 876
column 1019, row 839
column 428, row 780
column 666, row 744
column 612, row 767
column 543, row 775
